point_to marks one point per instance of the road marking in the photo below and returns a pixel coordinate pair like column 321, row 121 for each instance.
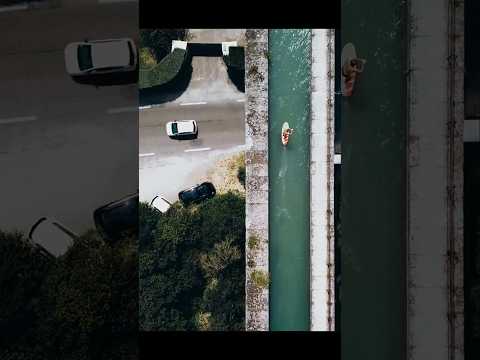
column 14, row 7
column 241, row 100
column 337, row 159
column 144, row 107
column 122, row 109
column 17, row 119
column 193, row 103
column 147, row 154
column 199, row 149
column 115, row 1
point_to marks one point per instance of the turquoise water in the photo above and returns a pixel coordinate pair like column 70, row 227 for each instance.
column 289, row 207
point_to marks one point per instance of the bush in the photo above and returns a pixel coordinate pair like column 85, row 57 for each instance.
column 86, row 303
column 159, row 41
column 163, row 72
column 192, row 266
column 241, row 175
column 235, row 57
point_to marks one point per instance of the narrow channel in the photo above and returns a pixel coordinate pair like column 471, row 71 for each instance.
column 289, row 174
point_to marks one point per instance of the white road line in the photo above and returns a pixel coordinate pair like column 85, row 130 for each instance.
column 337, row 159
column 115, row 1
column 147, row 154
column 199, row 149
column 17, row 119
column 193, row 103
column 14, row 7
column 144, row 107
column 122, row 110
column 241, row 100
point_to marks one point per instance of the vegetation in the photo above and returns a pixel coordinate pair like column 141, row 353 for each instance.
column 235, row 61
column 158, row 65
column 161, row 73
column 253, row 242
column 260, row 279
column 159, row 41
column 82, row 305
column 192, row 265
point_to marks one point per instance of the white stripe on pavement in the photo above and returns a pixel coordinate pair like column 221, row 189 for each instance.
column 241, row 100
column 337, row 159
column 122, row 110
column 193, row 103
column 17, row 119
column 144, row 107
column 115, row 1
column 199, row 149
column 147, row 154
column 14, row 7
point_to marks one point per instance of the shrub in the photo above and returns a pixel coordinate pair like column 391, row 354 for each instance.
column 163, row 72
column 159, row 41
column 260, row 279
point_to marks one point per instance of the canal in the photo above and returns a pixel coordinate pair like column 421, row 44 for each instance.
column 289, row 174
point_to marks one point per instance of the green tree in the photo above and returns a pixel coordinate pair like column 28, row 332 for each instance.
column 192, row 266
column 85, row 307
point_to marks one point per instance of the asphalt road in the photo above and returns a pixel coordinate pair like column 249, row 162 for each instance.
column 65, row 148
column 168, row 166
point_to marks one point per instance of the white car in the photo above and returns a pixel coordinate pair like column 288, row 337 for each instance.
column 52, row 236
column 161, row 204
column 182, row 129
column 100, row 57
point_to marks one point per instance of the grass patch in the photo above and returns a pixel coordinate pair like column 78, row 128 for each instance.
column 260, row 279
column 161, row 73
column 253, row 242
column 147, row 60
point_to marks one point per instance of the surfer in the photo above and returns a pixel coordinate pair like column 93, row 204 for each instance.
column 286, row 135
column 350, row 71
column 352, row 66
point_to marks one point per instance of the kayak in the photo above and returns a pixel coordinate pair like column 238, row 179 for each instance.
column 285, row 133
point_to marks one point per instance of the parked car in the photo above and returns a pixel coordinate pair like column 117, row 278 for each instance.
column 197, row 193
column 118, row 218
column 101, row 57
column 51, row 236
column 182, row 130
column 161, row 204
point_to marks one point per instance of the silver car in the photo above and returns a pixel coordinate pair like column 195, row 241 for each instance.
column 101, row 57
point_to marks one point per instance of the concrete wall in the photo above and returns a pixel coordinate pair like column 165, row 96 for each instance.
column 256, row 84
column 322, row 269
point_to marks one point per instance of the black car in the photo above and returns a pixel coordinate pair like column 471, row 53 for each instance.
column 197, row 193
column 118, row 219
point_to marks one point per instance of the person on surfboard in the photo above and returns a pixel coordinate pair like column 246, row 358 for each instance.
column 286, row 135
column 350, row 71
column 352, row 66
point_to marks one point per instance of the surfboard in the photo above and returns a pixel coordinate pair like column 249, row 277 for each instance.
column 284, row 127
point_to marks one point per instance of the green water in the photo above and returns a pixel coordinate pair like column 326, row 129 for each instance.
column 289, row 207
column 373, row 195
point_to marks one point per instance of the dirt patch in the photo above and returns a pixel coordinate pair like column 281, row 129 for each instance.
column 224, row 173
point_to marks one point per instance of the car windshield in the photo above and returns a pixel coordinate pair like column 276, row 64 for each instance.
column 85, row 57
column 174, row 128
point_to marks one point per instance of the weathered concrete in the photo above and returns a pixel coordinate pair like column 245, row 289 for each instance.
column 256, row 85
column 322, row 272
column 435, row 208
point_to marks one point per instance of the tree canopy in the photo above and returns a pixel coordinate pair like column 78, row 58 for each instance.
column 192, row 266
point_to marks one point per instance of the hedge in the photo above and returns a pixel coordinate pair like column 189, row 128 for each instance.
column 164, row 71
column 236, row 57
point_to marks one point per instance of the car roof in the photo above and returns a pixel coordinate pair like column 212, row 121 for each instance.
column 114, row 53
